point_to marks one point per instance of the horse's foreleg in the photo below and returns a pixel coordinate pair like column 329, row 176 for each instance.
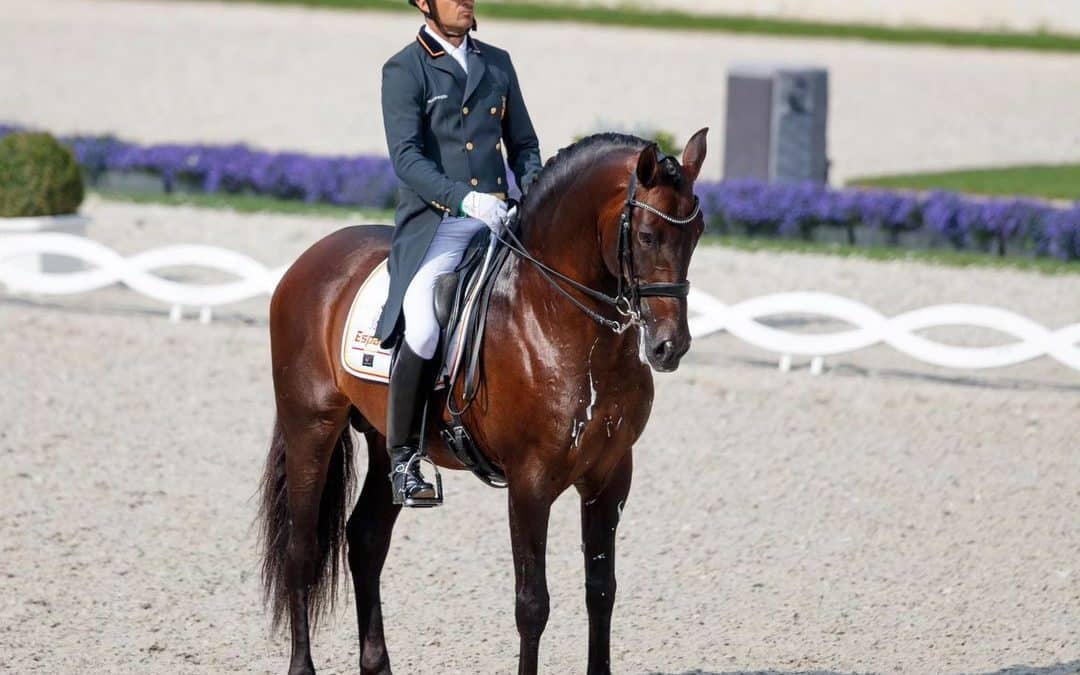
column 311, row 445
column 600, row 512
column 369, row 530
column 530, row 508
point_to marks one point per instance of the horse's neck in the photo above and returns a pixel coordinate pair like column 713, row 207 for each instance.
column 565, row 234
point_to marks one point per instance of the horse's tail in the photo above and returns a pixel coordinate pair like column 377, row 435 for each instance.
column 330, row 532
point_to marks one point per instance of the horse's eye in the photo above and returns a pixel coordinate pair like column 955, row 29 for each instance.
column 646, row 238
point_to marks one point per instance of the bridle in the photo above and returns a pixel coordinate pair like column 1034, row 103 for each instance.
column 630, row 291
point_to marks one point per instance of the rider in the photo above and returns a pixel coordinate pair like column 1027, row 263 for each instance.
column 451, row 105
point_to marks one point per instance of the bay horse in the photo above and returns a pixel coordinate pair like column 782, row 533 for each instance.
column 595, row 295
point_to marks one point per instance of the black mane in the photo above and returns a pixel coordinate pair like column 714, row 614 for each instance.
column 569, row 162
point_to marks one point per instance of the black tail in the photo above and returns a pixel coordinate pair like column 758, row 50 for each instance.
column 333, row 514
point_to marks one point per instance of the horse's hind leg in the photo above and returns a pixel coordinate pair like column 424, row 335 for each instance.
column 369, row 530
column 313, row 537
column 601, row 508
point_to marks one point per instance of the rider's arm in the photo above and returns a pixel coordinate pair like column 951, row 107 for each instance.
column 522, row 146
column 402, row 108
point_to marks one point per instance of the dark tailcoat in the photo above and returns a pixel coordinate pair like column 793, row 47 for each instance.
column 446, row 133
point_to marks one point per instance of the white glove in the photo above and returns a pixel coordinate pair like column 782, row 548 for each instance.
column 487, row 208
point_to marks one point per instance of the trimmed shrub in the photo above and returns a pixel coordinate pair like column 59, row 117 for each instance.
column 38, row 177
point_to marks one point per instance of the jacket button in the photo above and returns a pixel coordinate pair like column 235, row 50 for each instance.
column 465, row 110
column 498, row 146
column 469, row 145
column 474, row 182
column 499, row 180
column 494, row 110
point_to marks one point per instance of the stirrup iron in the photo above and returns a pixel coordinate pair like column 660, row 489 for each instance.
column 421, row 502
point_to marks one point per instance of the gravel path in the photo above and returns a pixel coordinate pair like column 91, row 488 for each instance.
column 885, row 517
column 293, row 78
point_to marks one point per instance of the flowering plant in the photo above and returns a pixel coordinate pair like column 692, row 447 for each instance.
column 753, row 208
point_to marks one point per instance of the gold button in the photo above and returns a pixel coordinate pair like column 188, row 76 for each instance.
column 465, row 110
column 494, row 110
column 469, row 145
column 499, row 180
column 498, row 146
column 474, row 182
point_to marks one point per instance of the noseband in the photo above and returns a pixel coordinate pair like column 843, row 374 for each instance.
column 627, row 300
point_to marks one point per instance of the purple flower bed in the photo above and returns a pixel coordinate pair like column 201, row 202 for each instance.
column 353, row 181
column 787, row 209
column 736, row 206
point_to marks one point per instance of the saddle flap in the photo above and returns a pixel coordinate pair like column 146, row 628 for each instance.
column 445, row 292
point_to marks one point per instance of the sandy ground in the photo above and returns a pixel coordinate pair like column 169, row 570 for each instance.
column 1017, row 15
column 885, row 517
column 292, row 78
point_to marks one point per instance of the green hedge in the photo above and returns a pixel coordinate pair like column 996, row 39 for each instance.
column 38, row 177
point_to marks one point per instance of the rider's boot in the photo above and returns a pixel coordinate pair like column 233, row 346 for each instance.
column 410, row 385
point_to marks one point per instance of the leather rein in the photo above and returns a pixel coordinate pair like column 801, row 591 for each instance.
column 627, row 300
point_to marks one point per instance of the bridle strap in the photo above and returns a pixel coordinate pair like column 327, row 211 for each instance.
column 664, row 290
column 519, row 249
column 626, row 301
column 671, row 219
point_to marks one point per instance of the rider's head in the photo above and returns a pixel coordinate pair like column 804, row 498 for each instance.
column 451, row 18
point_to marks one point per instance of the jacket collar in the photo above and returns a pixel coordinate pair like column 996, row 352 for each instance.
column 435, row 50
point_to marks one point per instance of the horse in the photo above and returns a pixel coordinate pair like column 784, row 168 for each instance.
column 592, row 301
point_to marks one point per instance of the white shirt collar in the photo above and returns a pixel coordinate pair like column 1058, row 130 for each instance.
column 459, row 54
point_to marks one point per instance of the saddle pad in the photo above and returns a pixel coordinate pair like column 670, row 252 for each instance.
column 361, row 354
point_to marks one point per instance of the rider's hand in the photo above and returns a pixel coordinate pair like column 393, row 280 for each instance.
column 487, row 208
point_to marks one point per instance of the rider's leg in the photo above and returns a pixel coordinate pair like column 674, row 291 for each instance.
column 413, row 374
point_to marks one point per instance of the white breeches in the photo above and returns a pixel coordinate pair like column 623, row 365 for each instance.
column 451, row 239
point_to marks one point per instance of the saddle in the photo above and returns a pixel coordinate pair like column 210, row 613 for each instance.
column 461, row 304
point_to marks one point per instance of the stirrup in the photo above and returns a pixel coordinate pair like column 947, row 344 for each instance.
column 421, row 502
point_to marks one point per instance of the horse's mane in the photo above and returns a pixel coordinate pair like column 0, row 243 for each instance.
column 569, row 163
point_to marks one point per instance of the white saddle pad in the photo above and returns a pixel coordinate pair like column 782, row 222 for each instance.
column 361, row 354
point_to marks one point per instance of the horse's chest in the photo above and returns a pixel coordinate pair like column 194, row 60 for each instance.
column 601, row 414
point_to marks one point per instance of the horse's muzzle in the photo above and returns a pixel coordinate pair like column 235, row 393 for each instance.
column 665, row 352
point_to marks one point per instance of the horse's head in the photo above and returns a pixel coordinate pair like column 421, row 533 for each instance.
column 665, row 223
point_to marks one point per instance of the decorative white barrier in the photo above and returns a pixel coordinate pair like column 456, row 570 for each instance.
column 72, row 223
column 708, row 315
column 255, row 278
column 711, row 315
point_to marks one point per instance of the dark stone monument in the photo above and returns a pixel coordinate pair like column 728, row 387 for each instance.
column 776, row 123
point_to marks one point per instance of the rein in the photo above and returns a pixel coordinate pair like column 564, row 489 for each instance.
column 627, row 300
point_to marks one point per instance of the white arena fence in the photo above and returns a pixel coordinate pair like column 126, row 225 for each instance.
column 708, row 314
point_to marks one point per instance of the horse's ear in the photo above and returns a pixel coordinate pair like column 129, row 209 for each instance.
column 647, row 166
column 693, row 156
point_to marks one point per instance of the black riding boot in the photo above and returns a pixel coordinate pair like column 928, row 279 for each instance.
column 411, row 381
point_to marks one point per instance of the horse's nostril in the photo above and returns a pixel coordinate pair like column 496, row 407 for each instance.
column 664, row 349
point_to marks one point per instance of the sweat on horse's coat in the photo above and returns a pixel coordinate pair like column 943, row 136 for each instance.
column 530, row 394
